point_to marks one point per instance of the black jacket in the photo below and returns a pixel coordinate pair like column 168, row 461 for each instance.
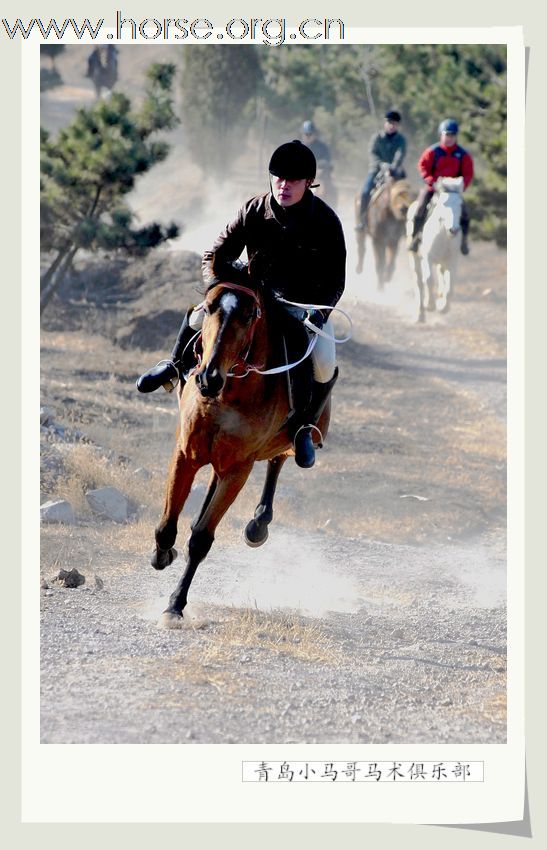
column 298, row 251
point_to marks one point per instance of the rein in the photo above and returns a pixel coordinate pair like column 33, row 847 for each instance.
column 276, row 370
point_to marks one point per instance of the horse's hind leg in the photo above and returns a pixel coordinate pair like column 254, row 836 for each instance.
column 202, row 537
column 181, row 475
column 256, row 531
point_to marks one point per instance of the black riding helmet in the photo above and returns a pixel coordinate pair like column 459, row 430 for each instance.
column 293, row 161
column 393, row 115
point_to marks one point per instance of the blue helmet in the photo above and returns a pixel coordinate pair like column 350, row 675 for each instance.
column 308, row 128
column 449, row 125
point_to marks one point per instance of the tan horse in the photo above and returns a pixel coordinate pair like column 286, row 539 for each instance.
column 230, row 423
column 385, row 223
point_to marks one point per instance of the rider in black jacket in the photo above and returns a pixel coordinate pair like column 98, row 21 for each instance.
column 295, row 248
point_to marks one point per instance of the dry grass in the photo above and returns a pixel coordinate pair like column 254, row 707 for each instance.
column 85, row 468
column 495, row 708
column 277, row 632
column 60, row 551
column 216, row 661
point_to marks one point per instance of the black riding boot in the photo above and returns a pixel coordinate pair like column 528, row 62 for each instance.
column 464, row 221
column 167, row 373
column 303, row 438
column 363, row 209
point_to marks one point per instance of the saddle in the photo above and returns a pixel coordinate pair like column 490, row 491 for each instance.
column 290, row 346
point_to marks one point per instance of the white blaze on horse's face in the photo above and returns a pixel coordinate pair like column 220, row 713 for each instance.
column 228, row 302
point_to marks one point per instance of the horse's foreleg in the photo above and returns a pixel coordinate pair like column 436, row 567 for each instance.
column 416, row 274
column 213, row 481
column 181, row 475
column 445, row 290
column 391, row 254
column 256, row 531
column 380, row 261
column 428, row 282
column 202, row 537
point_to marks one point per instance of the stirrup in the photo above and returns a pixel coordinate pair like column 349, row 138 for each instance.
column 306, row 457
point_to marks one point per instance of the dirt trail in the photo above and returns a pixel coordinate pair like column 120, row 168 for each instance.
column 376, row 610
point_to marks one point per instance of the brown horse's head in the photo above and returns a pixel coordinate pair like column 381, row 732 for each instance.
column 401, row 196
column 231, row 314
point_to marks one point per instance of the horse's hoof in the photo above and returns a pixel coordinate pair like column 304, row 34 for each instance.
column 442, row 305
column 255, row 534
column 171, row 620
column 161, row 558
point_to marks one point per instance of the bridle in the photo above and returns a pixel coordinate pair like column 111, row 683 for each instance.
column 241, row 362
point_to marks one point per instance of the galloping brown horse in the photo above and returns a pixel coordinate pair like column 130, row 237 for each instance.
column 386, row 217
column 231, row 415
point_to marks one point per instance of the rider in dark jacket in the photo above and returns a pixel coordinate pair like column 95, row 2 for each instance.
column 295, row 248
column 388, row 147
column 320, row 149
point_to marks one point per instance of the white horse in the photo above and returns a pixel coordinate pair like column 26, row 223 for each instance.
column 434, row 265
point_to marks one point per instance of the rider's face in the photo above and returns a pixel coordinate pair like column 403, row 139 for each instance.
column 448, row 139
column 288, row 192
column 391, row 127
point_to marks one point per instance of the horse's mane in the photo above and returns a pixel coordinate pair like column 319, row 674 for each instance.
column 400, row 187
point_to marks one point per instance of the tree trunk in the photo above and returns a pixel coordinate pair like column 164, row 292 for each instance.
column 58, row 275
column 46, row 277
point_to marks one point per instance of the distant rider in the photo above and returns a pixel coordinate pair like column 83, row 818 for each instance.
column 389, row 147
column 445, row 159
column 94, row 62
column 321, row 151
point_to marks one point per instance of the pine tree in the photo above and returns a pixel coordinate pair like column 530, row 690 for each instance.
column 88, row 170
column 218, row 94
column 346, row 89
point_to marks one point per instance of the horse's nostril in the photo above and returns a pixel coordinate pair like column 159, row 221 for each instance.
column 209, row 383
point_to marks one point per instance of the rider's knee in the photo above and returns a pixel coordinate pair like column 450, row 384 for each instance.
column 324, row 356
column 196, row 318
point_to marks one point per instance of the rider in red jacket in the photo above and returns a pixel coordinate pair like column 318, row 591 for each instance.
column 446, row 159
